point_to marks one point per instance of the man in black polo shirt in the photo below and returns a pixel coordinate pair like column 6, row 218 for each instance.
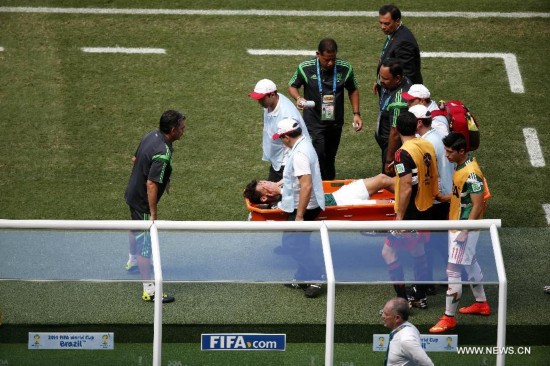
column 152, row 167
column 324, row 79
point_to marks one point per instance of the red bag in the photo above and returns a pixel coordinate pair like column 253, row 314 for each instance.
column 461, row 121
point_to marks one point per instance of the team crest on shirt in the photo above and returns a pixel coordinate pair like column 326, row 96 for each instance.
column 476, row 187
column 400, row 168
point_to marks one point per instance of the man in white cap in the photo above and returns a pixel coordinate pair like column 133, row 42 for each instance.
column 419, row 94
column 276, row 108
column 303, row 198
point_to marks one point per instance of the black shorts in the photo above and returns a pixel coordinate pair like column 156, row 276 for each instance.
column 143, row 238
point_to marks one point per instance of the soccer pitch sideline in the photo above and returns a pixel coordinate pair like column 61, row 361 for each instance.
column 70, row 121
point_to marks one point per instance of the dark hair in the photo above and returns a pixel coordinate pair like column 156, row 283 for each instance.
column 390, row 8
column 170, row 119
column 426, row 122
column 396, row 69
column 327, row 45
column 406, row 123
column 252, row 193
column 401, row 308
column 455, row 141
column 295, row 133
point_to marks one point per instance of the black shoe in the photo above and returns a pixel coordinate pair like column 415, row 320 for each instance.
column 296, row 285
column 314, row 290
column 415, row 299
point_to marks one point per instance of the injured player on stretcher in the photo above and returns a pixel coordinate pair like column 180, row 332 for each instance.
column 357, row 192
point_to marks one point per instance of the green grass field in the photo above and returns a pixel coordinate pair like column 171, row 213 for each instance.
column 70, row 122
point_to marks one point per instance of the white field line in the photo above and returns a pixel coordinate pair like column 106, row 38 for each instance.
column 122, row 50
column 255, row 12
column 259, row 52
column 546, row 208
column 510, row 61
column 510, row 64
column 533, row 147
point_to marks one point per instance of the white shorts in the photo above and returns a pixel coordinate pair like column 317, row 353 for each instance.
column 463, row 253
column 354, row 193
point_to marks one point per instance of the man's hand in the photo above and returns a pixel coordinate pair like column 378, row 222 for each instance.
column 357, row 123
column 462, row 237
column 389, row 169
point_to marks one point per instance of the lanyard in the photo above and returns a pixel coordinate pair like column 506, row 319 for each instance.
column 319, row 83
column 392, row 334
column 384, row 100
column 388, row 39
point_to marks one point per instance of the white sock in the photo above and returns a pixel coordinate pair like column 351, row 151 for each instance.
column 475, row 275
column 454, row 293
column 132, row 258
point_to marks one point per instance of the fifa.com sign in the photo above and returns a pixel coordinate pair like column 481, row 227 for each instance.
column 243, row 342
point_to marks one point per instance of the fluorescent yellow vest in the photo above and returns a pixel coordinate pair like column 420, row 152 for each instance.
column 427, row 173
column 459, row 180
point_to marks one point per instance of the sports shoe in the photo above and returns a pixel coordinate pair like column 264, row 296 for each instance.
column 479, row 308
column 414, row 300
column 294, row 284
column 314, row 290
column 418, row 303
column 131, row 267
column 547, row 289
column 444, row 324
column 151, row 298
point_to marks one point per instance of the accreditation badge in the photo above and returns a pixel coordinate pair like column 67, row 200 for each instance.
column 327, row 108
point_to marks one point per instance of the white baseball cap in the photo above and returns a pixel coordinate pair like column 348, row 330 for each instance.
column 262, row 88
column 285, row 126
column 420, row 111
column 416, row 91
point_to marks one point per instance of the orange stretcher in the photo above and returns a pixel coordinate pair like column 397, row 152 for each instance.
column 381, row 210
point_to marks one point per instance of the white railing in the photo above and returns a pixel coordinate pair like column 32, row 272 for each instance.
column 324, row 227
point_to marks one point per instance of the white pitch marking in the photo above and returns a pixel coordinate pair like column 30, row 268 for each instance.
column 533, row 147
column 122, row 50
column 510, row 64
column 294, row 13
column 546, row 208
column 510, row 61
column 281, row 52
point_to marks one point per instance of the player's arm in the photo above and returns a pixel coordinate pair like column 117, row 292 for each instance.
column 295, row 93
column 152, row 194
column 405, row 192
column 477, row 209
column 306, row 188
column 356, row 109
column 296, row 81
column 393, row 144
